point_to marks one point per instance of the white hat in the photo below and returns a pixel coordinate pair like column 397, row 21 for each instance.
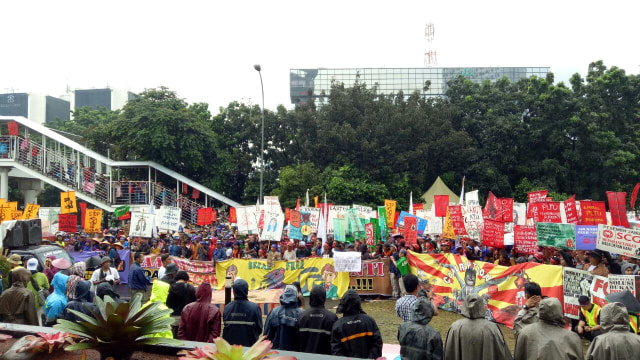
column 32, row 264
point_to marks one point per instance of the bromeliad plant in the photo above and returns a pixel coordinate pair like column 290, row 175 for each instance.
column 47, row 342
column 117, row 330
column 222, row 350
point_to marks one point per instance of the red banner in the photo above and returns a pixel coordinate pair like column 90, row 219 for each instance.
column 214, row 216
column 525, row 239
column 68, row 222
column 294, row 218
column 493, row 208
column 83, row 210
column 593, row 212
column 506, row 209
column 618, row 208
column 12, row 126
column 546, row 212
column 418, row 206
column 368, row 229
column 537, row 196
column 185, row 188
column 493, row 234
column 410, row 230
column 457, row 220
column 205, row 216
column 570, row 210
column 634, row 196
column 126, row 216
column 441, row 202
column 195, row 194
column 233, row 218
column 287, row 214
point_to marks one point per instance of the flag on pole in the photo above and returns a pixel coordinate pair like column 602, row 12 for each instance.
column 153, row 223
column 306, row 200
column 462, row 193
column 298, row 204
column 411, row 203
column 322, row 226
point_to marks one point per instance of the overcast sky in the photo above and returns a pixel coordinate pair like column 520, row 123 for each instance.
column 205, row 50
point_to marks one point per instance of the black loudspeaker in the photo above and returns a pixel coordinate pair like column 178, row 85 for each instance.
column 32, row 231
column 14, row 237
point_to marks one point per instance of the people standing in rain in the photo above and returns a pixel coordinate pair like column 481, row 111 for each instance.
column 242, row 318
column 615, row 342
column 356, row 334
column 475, row 338
column 418, row 340
column 200, row 320
column 315, row 324
column 57, row 301
column 529, row 313
column 547, row 338
column 281, row 326
column 18, row 304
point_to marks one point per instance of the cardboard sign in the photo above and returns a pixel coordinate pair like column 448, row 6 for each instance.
column 471, row 198
column 390, row 208
column 272, row 204
column 314, row 217
column 141, row 225
column 410, row 230
column 168, row 218
column 493, row 234
column 204, row 217
column 68, row 222
column 473, row 220
column 618, row 240
column 525, row 239
column 246, row 216
column 30, row 212
column 593, row 212
column 349, row 261
column 68, row 202
column 547, row 212
column 93, row 221
column 555, row 235
column 575, row 283
column 586, row 237
column 274, row 224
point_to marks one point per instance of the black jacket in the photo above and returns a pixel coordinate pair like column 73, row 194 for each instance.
column 356, row 334
column 315, row 324
column 242, row 318
column 281, row 327
column 180, row 295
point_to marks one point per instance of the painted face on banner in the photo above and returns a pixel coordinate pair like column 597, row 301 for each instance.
column 295, row 219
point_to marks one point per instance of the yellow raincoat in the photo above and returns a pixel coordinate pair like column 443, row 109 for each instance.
column 159, row 293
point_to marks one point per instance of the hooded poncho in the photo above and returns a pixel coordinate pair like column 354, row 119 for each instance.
column 200, row 320
column 57, row 301
column 356, row 334
column 615, row 342
column 418, row 340
column 315, row 324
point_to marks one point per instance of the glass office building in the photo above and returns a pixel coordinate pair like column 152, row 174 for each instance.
column 392, row 80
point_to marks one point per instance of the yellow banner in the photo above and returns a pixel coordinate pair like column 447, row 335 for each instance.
column 93, row 221
column 13, row 205
column 390, row 208
column 309, row 272
column 30, row 212
column 16, row 215
column 447, row 229
column 5, row 214
column 68, row 202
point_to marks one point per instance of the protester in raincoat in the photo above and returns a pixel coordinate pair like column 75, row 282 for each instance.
column 159, row 293
column 615, row 342
column 242, row 318
column 316, row 323
column 548, row 339
column 18, row 304
column 281, row 327
column 200, row 320
column 475, row 338
column 57, row 301
column 356, row 334
column 418, row 340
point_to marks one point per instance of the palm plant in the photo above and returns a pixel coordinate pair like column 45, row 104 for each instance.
column 117, row 330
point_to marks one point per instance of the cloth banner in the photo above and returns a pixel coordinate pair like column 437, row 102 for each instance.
column 634, row 196
column 68, row 222
column 457, row 220
column 618, row 208
column 453, row 277
column 619, row 241
column 93, row 221
column 505, row 208
column 537, row 196
column 548, row 212
column 123, row 266
column 336, row 212
column 204, row 217
column 168, row 218
column 441, row 202
column 491, row 210
column 390, row 208
column 593, row 212
column 586, row 237
column 12, row 128
column 570, row 210
column 68, row 202
column 339, row 230
column 246, row 219
column 122, row 210
column 141, row 225
column 314, row 217
column 347, row 261
column 199, row 271
column 525, row 240
column 411, row 230
column 601, row 287
column 233, row 218
column 447, row 229
column 274, row 224
column 575, row 283
column 309, row 272
column 473, row 220
column 83, row 210
column 493, row 234
column 370, row 233
column 555, row 235
column 373, row 279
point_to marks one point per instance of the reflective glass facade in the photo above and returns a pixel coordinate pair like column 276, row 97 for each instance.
column 392, row 80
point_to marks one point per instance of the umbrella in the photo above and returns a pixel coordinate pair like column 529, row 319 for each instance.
column 93, row 262
column 627, row 299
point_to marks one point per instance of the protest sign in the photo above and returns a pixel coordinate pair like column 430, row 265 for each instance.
column 493, row 233
column 141, row 224
column 204, row 217
column 618, row 208
column 599, row 290
column 233, row 216
column 93, row 221
column 49, row 218
column 68, row 202
column 314, row 217
column 199, row 271
column 373, row 279
column 586, row 237
column 30, row 211
column 121, row 211
column 593, row 212
column 410, row 230
column 619, row 283
column 505, row 209
column 473, row 221
column 16, row 215
column 355, row 229
column 376, row 228
column 457, row 220
column 364, row 212
column 441, row 202
column 335, row 212
column 519, row 213
column 421, row 223
column 295, row 223
column 570, row 210
column 382, row 218
column 308, row 272
column 447, row 229
column 246, row 216
column 575, row 283
column 434, row 223
column 368, row 229
column 168, row 218
column 272, row 204
column 547, row 212
column 68, row 222
column 339, row 230
column 491, row 210
column 471, row 198
column 537, row 196
column 619, row 241
column 350, row 261
column 525, row 240
column 555, row 235
column 390, row 208
column 274, row 224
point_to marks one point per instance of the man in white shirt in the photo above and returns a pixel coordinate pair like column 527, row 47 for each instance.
column 166, row 260
column 105, row 274
column 290, row 253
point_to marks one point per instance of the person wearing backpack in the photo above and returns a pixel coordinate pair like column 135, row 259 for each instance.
column 39, row 285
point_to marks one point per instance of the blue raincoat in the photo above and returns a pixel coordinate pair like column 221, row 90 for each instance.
column 57, row 301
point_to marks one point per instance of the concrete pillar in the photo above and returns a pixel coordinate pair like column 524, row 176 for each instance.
column 30, row 188
column 4, row 183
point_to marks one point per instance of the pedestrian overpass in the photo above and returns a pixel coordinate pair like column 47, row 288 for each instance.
column 40, row 155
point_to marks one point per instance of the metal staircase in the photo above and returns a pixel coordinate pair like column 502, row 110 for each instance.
column 40, row 153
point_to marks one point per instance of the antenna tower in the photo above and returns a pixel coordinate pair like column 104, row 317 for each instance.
column 430, row 57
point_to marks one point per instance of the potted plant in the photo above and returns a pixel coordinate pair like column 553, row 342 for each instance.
column 118, row 330
column 223, row 350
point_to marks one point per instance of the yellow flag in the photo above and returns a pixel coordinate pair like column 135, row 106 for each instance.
column 3, row 201
column 93, row 221
column 447, row 229
column 315, row 200
column 30, row 212
column 390, row 207
column 68, row 202
column 16, row 215
column 13, row 205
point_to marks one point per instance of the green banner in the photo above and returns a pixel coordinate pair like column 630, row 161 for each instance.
column 376, row 229
column 356, row 228
column 556, row 235
column 382, row 219
column 339, row 230
column 121, row 210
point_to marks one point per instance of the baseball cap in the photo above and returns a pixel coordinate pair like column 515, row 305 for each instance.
column 32, row 264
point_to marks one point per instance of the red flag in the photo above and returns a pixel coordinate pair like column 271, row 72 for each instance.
column 205, row 216
column 493, row 234
column 491, row 209
column 441, row 202
column 68, row 222
column 525, row 240
column 457, row 220
column 214, row 215
column 410, row 230
column 12, row 126
column 83, row 210
column 506, row 209
column 537, row 196
column 570, row 210
column 185, row 188
column 195, row 194
column 593, row 212
column 298, row 205
column 233, row 218
column 618, row 208
column 634, row 195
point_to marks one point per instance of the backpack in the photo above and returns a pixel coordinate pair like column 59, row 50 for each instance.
column 43, row 294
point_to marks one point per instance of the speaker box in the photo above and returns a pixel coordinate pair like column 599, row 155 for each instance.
column 32, row 231
column 14, row 237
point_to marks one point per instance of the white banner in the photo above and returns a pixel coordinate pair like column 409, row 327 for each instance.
column 618, row 240
column 364, row 212
column 473, row 220
column 314, row 217
column 335, row 212
column 471, row 198
column 434, row 223
column 49, row 218
column 350, row 261
column 247, row 219
column 141, row 225
column 272, row 204
column 273, row 225
column 168, row 218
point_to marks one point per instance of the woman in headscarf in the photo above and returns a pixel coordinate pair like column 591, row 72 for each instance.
column 57, row 301
column 76, row 274
column 50, row 270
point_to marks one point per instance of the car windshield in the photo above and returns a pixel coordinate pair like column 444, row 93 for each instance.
column 58, row 253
